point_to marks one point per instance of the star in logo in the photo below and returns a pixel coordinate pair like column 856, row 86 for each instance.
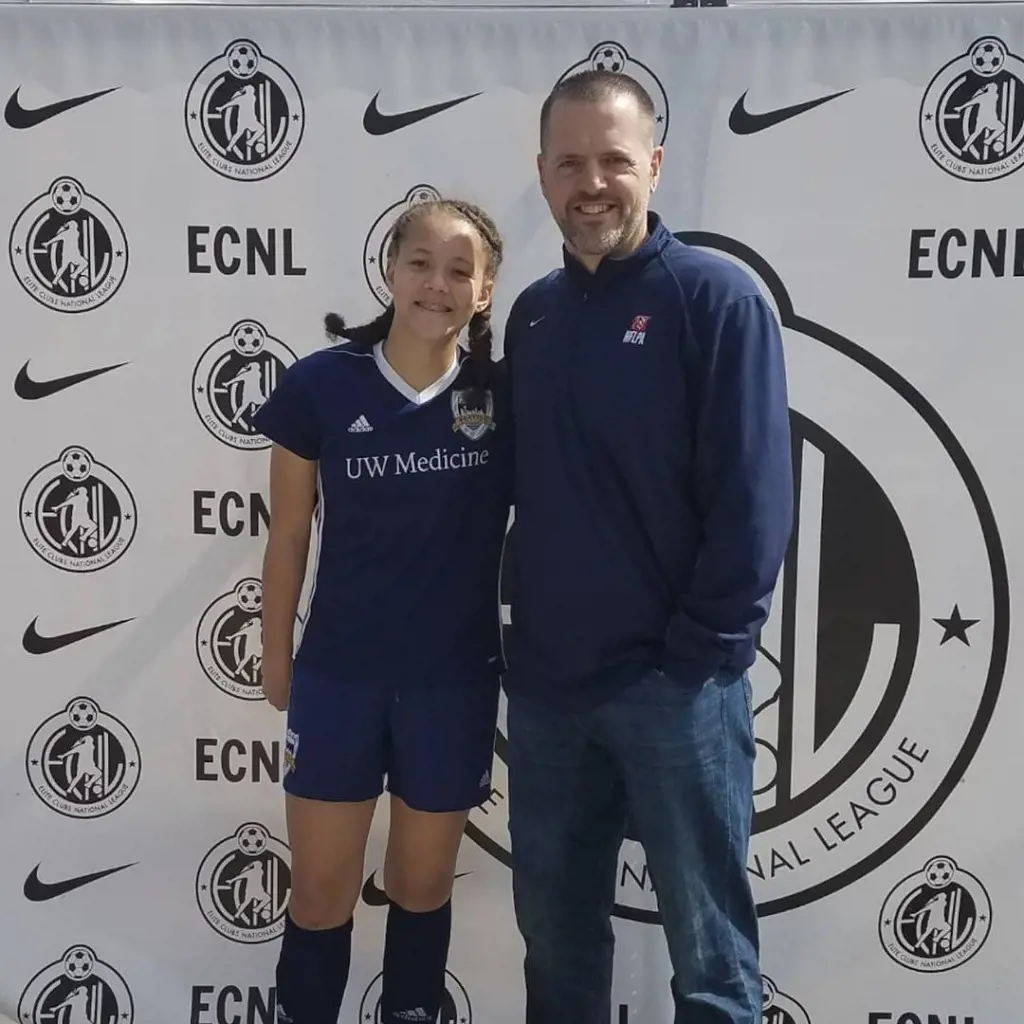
column 955, row 627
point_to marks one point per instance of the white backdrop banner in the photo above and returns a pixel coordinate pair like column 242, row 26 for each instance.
column 186, row 192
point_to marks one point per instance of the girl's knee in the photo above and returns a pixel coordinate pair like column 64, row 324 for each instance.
column 317, row 904
column 418, row 893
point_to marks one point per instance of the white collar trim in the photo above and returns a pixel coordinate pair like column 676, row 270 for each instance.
column 403, row 388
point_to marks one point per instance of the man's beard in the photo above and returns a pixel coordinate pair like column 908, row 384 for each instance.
column 598, row 241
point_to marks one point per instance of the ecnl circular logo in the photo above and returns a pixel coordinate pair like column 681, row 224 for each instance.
column 972, row 113
column 77, row 513
column 243, row 885
column 244, row 114
column 68, row 249
column 83, row 762
column 79, row 988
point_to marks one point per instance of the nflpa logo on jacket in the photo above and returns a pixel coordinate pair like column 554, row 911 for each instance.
column 637, row 331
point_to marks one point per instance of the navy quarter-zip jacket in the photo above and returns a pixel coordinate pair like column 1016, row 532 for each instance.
column 654, row 487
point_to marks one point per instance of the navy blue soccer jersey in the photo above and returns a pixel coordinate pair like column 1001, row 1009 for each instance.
column 414, row 494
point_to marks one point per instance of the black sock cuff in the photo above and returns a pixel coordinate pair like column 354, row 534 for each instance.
column 321, row 937
column 421, row 915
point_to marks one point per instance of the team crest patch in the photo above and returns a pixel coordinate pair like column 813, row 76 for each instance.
column 473, row 420
column 291, row 750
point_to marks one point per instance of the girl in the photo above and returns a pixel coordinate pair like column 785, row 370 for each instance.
column 400, row 442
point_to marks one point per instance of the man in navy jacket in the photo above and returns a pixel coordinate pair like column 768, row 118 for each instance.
column 654, row 507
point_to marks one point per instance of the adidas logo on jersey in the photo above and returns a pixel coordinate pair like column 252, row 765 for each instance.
column 360, row 426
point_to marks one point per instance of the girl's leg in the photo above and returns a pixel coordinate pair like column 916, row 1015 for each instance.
column 336, row 741
column 442, row 750
column 328, row 846
column 419, row 869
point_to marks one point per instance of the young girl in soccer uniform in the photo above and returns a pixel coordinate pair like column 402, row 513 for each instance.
column 398, row 442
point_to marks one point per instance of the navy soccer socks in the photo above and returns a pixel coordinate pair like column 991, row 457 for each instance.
column 312, row 972
column 415, row 957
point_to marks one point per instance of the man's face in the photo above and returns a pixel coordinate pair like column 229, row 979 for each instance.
column 598, row 167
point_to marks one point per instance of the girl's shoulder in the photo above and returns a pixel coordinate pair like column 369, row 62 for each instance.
column 330, row 362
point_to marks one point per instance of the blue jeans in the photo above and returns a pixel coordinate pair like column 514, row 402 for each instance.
column 678, row 762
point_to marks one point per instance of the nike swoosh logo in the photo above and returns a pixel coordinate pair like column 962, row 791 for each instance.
column 743, row 122
column 18, row 116
column 374, row 896
column 36, row 644
column 377, row 123
column 40, row 892
column 29, row 389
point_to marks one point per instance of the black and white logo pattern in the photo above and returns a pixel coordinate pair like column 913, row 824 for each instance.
column 375, row 249
column 229, row 640
column 243, row 885
column 935, row 919
column 80, row 988
column 895, row 582
column 244, row 114
column 455, row 1009
column 234, row 378
column 68, row 250
column 83, row 762
column 77, row 513
column 613, row 56
column 780, row 1008
column 972, row 113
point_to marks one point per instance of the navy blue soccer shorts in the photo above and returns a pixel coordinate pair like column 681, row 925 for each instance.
column 434, row 747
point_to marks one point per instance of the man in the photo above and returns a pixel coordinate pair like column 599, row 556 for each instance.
column 653, row 512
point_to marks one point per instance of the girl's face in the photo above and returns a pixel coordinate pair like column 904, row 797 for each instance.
column 439, row 278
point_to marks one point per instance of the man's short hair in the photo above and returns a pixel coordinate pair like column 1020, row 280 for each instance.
column 592, row 86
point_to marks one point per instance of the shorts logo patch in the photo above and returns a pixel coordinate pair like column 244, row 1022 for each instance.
column 291, row 750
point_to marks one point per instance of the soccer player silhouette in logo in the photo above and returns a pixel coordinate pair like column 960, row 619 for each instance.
column 249, row 649
column 248, row 122
column 83, row 770
column 68, row 245
column 249, row 891
column 252, row 396
column 77, row 1005
column 933, row 927
column 82, row 522
column 988, row 123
